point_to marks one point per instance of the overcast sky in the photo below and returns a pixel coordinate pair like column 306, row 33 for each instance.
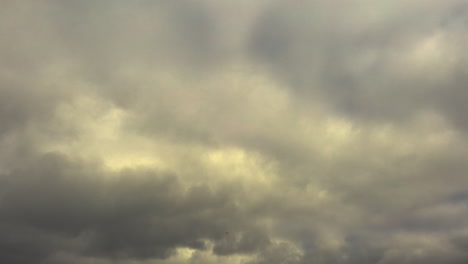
column 234, row 132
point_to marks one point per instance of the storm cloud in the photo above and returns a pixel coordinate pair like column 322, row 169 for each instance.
column 252, row 132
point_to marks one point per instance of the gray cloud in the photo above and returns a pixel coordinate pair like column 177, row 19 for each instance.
column 53, row 203
column 363, row 60
column 254, row 132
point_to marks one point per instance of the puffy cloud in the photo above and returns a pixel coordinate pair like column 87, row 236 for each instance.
column 233, row 132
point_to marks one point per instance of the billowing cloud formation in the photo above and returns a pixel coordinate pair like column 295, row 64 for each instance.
column 253, row 132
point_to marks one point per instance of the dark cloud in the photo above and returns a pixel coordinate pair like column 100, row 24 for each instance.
column 135, row 214
column 254, row 132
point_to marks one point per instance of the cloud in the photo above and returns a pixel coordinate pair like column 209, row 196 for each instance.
column 366, row 58
column 128, row 214
column 254, row 132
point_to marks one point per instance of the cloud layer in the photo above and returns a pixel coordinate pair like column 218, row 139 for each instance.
column 252, row 132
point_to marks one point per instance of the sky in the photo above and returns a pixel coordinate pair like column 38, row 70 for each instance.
column 234, row 132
